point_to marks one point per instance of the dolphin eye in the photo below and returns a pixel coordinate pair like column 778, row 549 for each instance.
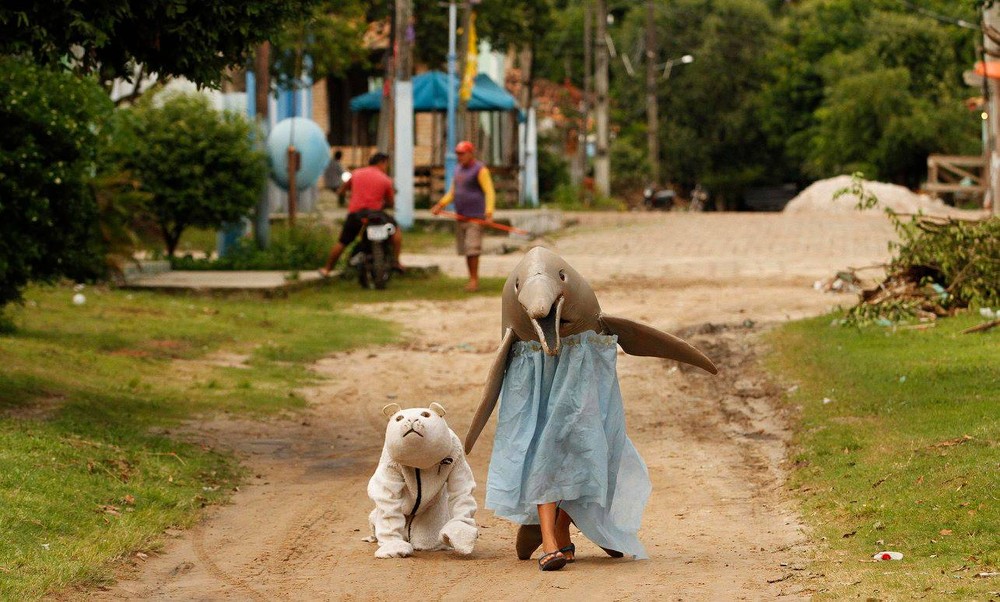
column 425, row 414
column 398, row 418
column 562, row 275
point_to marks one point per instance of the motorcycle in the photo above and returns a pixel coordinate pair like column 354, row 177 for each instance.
column 658, row 198
column 372, row 254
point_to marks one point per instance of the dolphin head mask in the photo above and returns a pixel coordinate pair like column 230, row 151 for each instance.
column 546, row 300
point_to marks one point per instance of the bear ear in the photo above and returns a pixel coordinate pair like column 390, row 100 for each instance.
column 438, row 409
column 391, row 409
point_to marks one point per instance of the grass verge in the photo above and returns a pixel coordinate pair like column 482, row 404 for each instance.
column 89, row 395
column 898, row 449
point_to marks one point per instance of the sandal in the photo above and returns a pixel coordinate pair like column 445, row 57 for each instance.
column 553, row 561
column 570, row 549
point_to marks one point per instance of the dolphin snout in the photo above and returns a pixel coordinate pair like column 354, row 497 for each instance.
column 538, row 295
column 542, row 300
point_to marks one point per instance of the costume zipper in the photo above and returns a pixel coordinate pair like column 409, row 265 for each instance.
column 416, row 506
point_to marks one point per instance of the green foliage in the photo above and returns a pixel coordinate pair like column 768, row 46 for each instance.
column 785, row 91
column 198, row 40
column 48, row 152
column 198, row 165
column 868, row 86
column 304, row 247
column 896, row 448
column 331, row 34
column 707, row 131
column 960, row 256
column 89, row 472
column 938, row 267
column 552, row 171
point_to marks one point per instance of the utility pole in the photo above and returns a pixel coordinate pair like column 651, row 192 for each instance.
column 602, row 159
column 991, row 19
column 383, row 137
column 588, row 67
column 262, row 89
column 403, row 112
column 450, row 159
column 652, row 108
column 462, row 112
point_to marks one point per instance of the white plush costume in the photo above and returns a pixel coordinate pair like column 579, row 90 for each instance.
column 422, row 487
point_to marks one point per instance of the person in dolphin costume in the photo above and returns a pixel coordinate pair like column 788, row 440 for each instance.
column 560, row 454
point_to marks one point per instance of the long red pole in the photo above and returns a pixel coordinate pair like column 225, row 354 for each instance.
column 489, row 224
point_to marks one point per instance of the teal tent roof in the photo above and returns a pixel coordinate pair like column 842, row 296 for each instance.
column 430, row 93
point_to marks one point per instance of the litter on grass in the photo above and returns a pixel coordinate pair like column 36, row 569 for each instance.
column 888, row 556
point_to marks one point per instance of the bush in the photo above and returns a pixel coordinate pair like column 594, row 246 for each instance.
column 48, row 153
column 939, row 267
column 197, row 164
column 301, row 248
column 553, row 171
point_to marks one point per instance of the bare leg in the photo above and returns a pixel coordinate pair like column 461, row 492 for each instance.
column 472, row 261
column 563, row 522
column 397, row 247
column 335, row 253
column 547, row 521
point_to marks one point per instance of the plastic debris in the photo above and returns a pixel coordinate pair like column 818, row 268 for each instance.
column 888, row 556
column 79, row 299
column 827, row 400
column 988, row 312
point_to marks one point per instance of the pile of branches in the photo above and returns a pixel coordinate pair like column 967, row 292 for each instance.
column 940, row 266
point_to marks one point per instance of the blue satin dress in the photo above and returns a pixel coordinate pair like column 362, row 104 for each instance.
column 561, row 438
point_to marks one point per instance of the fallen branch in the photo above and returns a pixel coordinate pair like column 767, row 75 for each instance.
column 982, row 327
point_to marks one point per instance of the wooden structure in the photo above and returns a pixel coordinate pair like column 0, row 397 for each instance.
column 428, row 175
column 956, row 174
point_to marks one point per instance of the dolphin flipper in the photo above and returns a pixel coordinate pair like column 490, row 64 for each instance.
column 639, row 339
column 492, row 390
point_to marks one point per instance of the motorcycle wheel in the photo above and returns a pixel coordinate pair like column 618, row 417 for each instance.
column 379, row 267
column 365, row 278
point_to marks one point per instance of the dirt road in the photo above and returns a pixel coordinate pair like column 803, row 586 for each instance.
column 718, row 525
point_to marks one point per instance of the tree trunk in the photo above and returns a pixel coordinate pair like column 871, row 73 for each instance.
column 652, row 108
column 991, row 18
column 602, row 158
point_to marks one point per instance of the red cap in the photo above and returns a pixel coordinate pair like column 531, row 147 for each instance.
column 464, row 147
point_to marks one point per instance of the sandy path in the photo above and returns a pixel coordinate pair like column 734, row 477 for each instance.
column 718, row 525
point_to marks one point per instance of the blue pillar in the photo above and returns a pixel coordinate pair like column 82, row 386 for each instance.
column 450, row 158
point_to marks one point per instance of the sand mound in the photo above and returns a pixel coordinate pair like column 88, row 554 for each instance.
column 818, row 198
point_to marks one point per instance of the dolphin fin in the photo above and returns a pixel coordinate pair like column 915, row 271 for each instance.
column 639, row 339
column 492, row 390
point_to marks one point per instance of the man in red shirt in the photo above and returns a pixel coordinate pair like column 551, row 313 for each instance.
column 371, row 190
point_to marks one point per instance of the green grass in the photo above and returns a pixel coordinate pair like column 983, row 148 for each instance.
column 88, row 394
column 904, row 455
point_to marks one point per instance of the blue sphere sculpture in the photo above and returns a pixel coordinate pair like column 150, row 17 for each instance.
column 307, row 138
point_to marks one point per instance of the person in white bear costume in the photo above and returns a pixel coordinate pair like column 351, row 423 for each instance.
column 422, row 487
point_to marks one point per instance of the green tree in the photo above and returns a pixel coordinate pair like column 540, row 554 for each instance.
column 707, row 132
column 198, row 165
column 48, row 153
column 195, row 39
column 867, row 85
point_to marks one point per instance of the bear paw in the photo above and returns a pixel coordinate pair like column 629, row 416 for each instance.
column 394, row 549
column 460, row 536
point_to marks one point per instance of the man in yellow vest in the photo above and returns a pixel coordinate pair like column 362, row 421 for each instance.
column 474, row 197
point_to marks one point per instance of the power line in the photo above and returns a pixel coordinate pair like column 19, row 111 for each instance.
column 939, row 17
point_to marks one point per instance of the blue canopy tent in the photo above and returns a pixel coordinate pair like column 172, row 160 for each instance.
column 430, row 93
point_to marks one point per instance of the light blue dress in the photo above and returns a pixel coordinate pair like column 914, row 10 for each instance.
column 561, row 438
